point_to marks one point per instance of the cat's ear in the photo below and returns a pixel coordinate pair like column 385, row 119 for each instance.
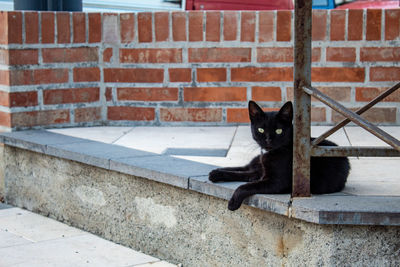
column 254, row 110
column 286, row 112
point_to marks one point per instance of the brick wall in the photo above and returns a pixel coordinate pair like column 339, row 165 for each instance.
column 187, row 68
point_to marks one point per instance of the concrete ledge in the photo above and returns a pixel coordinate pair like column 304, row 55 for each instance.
column 189, row 175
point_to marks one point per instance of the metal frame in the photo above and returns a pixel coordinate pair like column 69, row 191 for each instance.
column 303, row 148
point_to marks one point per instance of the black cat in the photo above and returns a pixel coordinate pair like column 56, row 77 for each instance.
column 271, row 172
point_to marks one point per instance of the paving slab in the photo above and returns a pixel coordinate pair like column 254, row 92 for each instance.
column 166, row 169
column 107, row 135
column 36, row 140
column 277, row 203
column 28, row 239
column 361, row 137
column 35, row 227
column 8, row 239
column 333, row 209
column 94, row 153
column 158, row 139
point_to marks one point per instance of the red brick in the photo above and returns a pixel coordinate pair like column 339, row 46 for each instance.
column 230, row 25
column 145, row 27
column 36, row 118
column 241, row 115
column 63, row 28
column 196, row 26
column 31, row 27
column 381, row 74
column 338, row 25
column 215, row 94
column 62, row 55
column 341, row 94
column 318, row 114
column 191, row 114
column 148, row 94
column 88, row 114
column 161, row 20
column 108, row 94
column 23, row 57
column 5, row 77
column 23, row 99
column 79, row 24
column 374, row 18
column 284, row 26
column 366, row 94
column 5, row 119
column 151, row 55
column 248, row 26
column 94, row 30
column 237, row 115
column 380, row 54
column 211, row 75
column 21, row 77
column 180, row 75
column 50, row 76
column 179, row 26
column 130, row 113
column 47, row 26
column 253, row 74
column 219, row 54
column 259, row 93
column 107, row 54
column 319, row 25
column 275, row 54
column 342, row 54
column 76, row 95
column 110, row 28
column 86, row 74
column 375, row 115
column 127, row 21
column 4, row 99
column 15, row 27
column 392, row 24
column 333, row 74
column 355, row 24
column 316, row 54
column 282, row 54
column 134, row 75
column 38, row 76
column 213, row 26
column 266, row 27
column 4, row 27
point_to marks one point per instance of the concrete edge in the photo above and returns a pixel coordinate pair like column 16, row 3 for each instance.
column 322, row 209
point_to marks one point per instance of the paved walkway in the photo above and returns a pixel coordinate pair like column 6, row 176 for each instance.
column 28, row 239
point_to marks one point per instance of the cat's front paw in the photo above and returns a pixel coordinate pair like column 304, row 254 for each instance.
column 214, row 175
column 234, row 203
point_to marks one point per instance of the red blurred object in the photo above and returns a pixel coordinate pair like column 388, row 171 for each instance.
column 382, row 4
column 239, row 4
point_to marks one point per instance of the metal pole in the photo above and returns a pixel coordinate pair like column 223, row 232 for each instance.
column 302, row 101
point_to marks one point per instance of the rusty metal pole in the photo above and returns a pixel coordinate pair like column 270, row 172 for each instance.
column 302, row 101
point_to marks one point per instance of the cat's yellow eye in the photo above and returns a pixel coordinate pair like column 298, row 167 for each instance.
column 278, row 131
column 260, row 130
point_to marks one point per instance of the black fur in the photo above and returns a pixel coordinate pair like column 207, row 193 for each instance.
column 271, row 172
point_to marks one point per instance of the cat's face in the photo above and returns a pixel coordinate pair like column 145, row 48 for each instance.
column 271, row 130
